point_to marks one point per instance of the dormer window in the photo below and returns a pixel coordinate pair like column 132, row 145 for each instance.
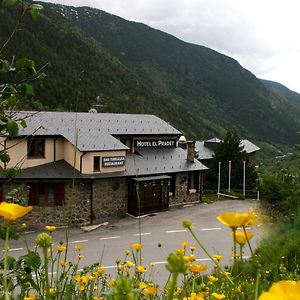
column 36, row 147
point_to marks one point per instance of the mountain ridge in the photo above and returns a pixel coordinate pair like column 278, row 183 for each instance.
column 135, row 68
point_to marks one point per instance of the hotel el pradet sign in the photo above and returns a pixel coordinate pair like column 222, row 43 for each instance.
column 154, row 143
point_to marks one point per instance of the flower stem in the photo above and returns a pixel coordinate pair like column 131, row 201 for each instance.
column 45, row 252
column 234, row 245
column 248, row 241
column 173, row 286
column 6, row 248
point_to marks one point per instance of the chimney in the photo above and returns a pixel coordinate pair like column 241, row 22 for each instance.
column 191, row 151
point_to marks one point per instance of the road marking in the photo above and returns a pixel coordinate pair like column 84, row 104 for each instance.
column 14, row 249
column 145, row 233
column 203, row 259
column 209, row 229
column 110, row 267
column 80, row 241
column 110, row 237
column 176, row 231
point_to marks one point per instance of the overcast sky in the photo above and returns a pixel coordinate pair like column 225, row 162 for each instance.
column 262, row 35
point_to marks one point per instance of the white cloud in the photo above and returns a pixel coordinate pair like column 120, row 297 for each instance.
column 261, row 34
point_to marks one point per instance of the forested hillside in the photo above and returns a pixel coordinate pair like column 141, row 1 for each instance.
column 134, row 68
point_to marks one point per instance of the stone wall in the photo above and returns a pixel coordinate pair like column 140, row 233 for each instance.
column 77, row 206
column 182, row 194
column 110, row 198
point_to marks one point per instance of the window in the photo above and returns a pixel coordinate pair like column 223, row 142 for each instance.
column 36, row 147
column 46, row 194
column 193, row 182
column 96, row 163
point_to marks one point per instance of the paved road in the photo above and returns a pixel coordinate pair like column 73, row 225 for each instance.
column 164, row 228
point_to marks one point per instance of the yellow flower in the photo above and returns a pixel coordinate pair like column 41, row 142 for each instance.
column 191, row 258
column 30, row 296
column 184, row 244
column 241, row 237
column 81, row 287
column 61, row 248
column 52, row 291
column 235, row 255
column 194, row 296
column 197, row 268
column 112, row 282
column 98, row 298
column 118, row 260
column 192, row 248
column 152, row 264
column 79, row 247
column 129, row 263
column 50, row 228
column 253, row 218
column 282, row 290
column 212, row 278
column 137, row 246
column 218, row 257
column 127, row 252
column 11, row 211
column 91, row 278
column 234, row 219
column 180, row 251
column 142, row 285
column 150, row 291
column 141, row 269
column 218, row 296
column 100, row 271
column 80, row 256
column 63, row 263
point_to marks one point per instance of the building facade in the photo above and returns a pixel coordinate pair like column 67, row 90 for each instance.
column 84, row 168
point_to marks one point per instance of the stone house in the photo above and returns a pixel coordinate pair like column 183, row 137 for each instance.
column 83, row 168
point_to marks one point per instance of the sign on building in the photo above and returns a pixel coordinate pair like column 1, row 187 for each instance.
column 113, row 161
column 154, row 143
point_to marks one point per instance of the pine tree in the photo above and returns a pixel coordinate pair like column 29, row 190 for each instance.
column 230, row 150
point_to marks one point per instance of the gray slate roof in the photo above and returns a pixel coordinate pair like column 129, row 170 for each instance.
column 95, row 131
column 149, row 162
column 207, row 153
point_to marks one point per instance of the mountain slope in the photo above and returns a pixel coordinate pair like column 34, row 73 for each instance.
column 212, row 85
column 282, row 90
column 134, row 68
column 79, row 70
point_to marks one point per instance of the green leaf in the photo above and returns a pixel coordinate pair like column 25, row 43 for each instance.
column 11, row 172
column 23, row 123
column 34, row 10
column 4, row 66
column 12, row 128
column 4, row 157
column 13, row 234
column 32, row 260
column 25, row 89
column 9, row 3
column 28, row 65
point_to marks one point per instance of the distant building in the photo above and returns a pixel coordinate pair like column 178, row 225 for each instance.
column 206, row 149
column 94, row 163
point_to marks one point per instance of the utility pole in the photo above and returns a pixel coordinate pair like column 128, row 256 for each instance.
column 219, row 179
